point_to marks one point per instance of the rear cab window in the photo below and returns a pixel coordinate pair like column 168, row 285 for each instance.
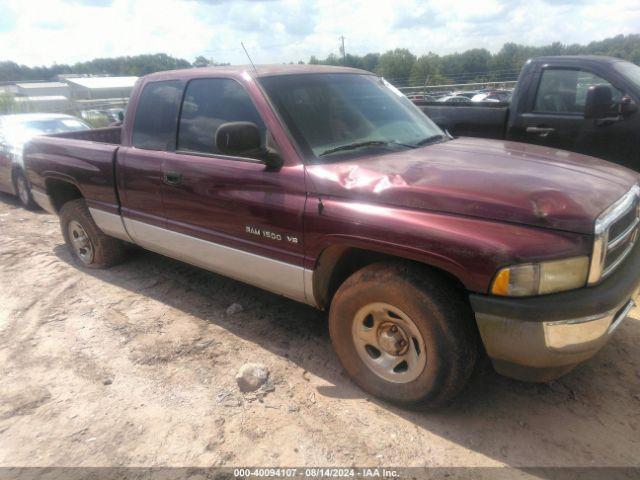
column 207, row 104
column 564, row 91
column 154, row 127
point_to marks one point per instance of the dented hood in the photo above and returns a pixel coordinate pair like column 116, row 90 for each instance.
column 497, row 180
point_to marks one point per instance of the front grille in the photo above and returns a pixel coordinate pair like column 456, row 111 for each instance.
column 615, row 256
column 616, row 233
column 618, row 227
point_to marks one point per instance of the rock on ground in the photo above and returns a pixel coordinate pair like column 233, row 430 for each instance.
column 234, row 308
column 251, row 376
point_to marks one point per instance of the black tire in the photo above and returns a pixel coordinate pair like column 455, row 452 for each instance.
column 23, row 190
column 106, row 251
column 441, row 314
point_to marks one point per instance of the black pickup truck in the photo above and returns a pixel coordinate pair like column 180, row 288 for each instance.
column 585, row 104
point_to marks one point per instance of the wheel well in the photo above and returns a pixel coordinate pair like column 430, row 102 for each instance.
column 338, row 263
column 61, row 192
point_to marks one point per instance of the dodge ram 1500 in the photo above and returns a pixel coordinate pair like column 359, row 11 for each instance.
column 328, row 186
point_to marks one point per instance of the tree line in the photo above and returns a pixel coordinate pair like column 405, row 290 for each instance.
column 400, row 66
column 120, row 66
column 403, row 68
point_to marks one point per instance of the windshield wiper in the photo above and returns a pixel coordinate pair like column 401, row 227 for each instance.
column 429, row 140
column 354, row 146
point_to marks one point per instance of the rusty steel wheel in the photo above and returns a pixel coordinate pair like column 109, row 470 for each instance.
column 389, row 342
column 404, row 333
column 89, row 246
column 80, row 242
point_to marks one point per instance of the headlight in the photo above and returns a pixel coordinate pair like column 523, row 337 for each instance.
column 541, row 278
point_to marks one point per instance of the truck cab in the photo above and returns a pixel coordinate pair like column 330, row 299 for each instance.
column 585, row 104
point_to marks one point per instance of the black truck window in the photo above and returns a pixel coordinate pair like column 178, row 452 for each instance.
column 565, row 90
column 157, row 115
column 207, row 104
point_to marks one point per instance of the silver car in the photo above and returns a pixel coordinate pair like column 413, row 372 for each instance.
column 15, row 131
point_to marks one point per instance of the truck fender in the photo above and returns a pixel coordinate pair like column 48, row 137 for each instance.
column 342, row 256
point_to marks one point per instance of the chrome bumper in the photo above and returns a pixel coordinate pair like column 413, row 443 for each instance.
column 542, row 351
column 576, row 335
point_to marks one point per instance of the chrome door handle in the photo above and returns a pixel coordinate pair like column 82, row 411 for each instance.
column 542, row 131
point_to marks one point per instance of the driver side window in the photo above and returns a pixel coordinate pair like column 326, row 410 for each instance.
column 565, row 91
column 207, row 104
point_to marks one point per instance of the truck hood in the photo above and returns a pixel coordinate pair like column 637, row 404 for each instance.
column 492, row 179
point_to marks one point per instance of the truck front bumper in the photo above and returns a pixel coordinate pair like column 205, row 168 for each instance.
column 541, row 338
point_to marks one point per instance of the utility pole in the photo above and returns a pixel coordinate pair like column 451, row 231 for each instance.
column 424, row 88
column 344, row 54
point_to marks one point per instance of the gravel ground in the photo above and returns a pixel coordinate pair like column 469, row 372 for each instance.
column 135, row 366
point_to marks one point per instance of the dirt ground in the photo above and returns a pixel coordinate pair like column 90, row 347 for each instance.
column 134, row 366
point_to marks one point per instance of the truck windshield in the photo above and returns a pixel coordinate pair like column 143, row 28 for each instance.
column 338, row 115
column 630, row 71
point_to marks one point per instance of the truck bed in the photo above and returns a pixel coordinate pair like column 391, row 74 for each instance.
column 85, row 158
column 101, row 135
column 486, row 120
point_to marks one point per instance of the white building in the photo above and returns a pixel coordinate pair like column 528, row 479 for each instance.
column 42, row 89
column 94, row 88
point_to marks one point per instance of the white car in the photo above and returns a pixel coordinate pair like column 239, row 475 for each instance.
column 483, row 97
column 454, row 99
column 15, row 131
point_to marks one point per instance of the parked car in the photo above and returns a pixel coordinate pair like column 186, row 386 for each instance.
column 466, row 93
column 454, row 99
column 492, row 96
column 328, row 186
column 419, row 97
column 15, row 131
column 585, row 104
column 115, row 114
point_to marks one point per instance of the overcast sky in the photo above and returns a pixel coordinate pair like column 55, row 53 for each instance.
column 65, row 31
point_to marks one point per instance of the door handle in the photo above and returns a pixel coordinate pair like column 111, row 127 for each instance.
column 172, row 178
column 542, row 131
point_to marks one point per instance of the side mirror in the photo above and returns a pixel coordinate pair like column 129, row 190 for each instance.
column 628, row 106
column 121, row 116
column 599, row 101
column 238, row 138
column 243, row 139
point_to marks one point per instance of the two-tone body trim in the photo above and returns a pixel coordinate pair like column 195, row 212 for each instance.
column 266, row 273
column 279, row 277
column 43, row 200
column 110, row 223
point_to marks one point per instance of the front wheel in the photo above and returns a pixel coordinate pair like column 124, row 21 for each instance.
column 404, row 334
column 23, row 190
column 89, row 246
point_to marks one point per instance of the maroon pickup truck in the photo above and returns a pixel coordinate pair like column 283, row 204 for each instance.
column 329, row 187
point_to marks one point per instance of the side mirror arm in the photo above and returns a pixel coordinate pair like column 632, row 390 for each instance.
column 271, row 158
column 627, row 106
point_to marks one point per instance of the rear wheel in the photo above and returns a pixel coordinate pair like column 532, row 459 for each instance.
column 404, row 334
column 88, row 245
column 23, row 190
